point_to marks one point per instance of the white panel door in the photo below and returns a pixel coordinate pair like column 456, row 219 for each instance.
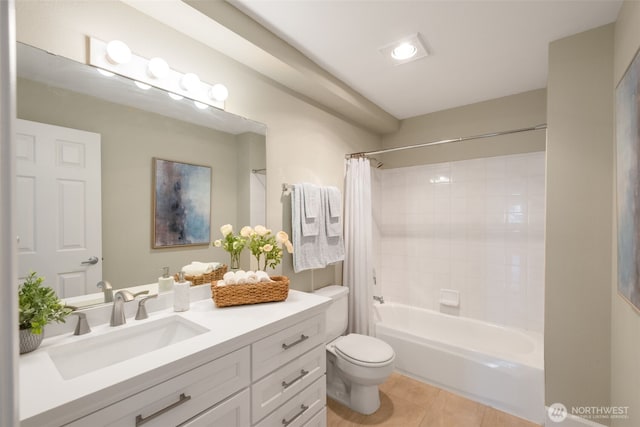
column 59, row 211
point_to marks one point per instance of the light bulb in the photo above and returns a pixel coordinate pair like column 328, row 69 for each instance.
column 200, row 105
column 142, row 86
column 105, row 73
column 118, row 52
column 175, row 96
column 218, row 92
column 157, row 68
column 404, row 51
column 190, row 82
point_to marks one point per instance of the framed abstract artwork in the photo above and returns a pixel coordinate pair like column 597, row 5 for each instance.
column 181, row 204
column 628, row 183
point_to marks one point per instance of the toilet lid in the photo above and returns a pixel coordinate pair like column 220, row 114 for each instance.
column 365, row 349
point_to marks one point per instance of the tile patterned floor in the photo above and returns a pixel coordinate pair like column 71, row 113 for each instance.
column 405, row 402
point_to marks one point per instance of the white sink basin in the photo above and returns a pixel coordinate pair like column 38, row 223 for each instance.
column 91, row 354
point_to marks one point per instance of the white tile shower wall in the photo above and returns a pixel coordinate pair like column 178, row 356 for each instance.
column 476, row 226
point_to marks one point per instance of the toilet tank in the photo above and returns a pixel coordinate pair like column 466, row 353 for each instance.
column 338, row 311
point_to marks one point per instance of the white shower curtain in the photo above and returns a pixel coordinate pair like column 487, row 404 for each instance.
column 358, row 239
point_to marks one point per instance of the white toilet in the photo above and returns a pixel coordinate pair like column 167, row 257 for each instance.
column 356, row 364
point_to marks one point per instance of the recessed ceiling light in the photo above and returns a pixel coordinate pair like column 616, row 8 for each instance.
column 405, row 50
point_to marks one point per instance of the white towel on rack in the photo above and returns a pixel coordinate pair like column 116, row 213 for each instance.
column 311, row 200
column 332, row 241
column 335, row 202
column 333, row 212
column 307, row 250
column 312, row 205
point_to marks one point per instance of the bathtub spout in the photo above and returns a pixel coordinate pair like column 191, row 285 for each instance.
column 380, row 299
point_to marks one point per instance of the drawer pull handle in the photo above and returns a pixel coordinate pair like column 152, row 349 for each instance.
column 302, row 338
column 142, row 420
column 302, row 409
column 288, row 384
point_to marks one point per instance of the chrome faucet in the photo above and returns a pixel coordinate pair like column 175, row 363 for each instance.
column 82, row 327
column 142, row 307
column 117, row 313
column 107, row 289
column 380, row 299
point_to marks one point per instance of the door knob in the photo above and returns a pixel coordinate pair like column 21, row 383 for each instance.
column 91, row 261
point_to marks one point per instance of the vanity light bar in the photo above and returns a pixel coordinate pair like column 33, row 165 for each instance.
column 156, row 72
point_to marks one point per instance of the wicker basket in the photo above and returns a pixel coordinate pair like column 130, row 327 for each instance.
column 226, row 296
column 201, row 279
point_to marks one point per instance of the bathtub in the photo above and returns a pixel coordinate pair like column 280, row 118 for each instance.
column 494, row 365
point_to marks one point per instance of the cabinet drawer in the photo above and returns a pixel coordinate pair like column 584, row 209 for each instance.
column 275, row 350
column 233, row 412
column 319, row 419
column 276, row 388
column 180, row 398
column 300, row 409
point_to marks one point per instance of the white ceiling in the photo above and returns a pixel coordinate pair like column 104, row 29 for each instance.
column 479, row 50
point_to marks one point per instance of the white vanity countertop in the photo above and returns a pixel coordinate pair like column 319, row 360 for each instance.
column 47, row 399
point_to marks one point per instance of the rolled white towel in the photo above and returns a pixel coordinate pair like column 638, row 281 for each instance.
column 193, row 270
column 202, row 266
column 252, row 278
column 207, row 267
column 263, row 276
column 241, row 277
column 229, row 278
column 197, row 268
column 221, row 283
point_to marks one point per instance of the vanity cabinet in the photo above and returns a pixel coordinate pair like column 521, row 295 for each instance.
column 288, row 371
column 267, row 370
column 177, row 400
column 275, row 350
column 283, row 384
column 233, row 412
column 300, row 408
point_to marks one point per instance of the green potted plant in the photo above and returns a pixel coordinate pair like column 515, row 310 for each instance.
column 38, row 305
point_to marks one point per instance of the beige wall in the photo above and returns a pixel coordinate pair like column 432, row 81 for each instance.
column 304, row 143
column 578, row 223
column 130, row 138
column 625, row 321
column 251, row 155
column 511, row 112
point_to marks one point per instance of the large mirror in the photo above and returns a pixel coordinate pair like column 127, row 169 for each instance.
column 60, row 103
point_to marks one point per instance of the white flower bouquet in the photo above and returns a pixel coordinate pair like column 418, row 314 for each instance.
column 266, row 246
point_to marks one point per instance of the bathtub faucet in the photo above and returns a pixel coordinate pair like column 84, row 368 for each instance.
column 380, row 299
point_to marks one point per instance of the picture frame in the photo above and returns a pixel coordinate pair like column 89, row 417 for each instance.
column 181, row 204
column 627, row 105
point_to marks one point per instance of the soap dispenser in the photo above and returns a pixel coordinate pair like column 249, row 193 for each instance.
column 181, row 293
column 165, row 282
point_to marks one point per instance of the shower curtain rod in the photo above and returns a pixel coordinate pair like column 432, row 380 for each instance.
column 446, row 141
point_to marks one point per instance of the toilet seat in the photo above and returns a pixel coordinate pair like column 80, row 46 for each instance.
column 363, row 350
